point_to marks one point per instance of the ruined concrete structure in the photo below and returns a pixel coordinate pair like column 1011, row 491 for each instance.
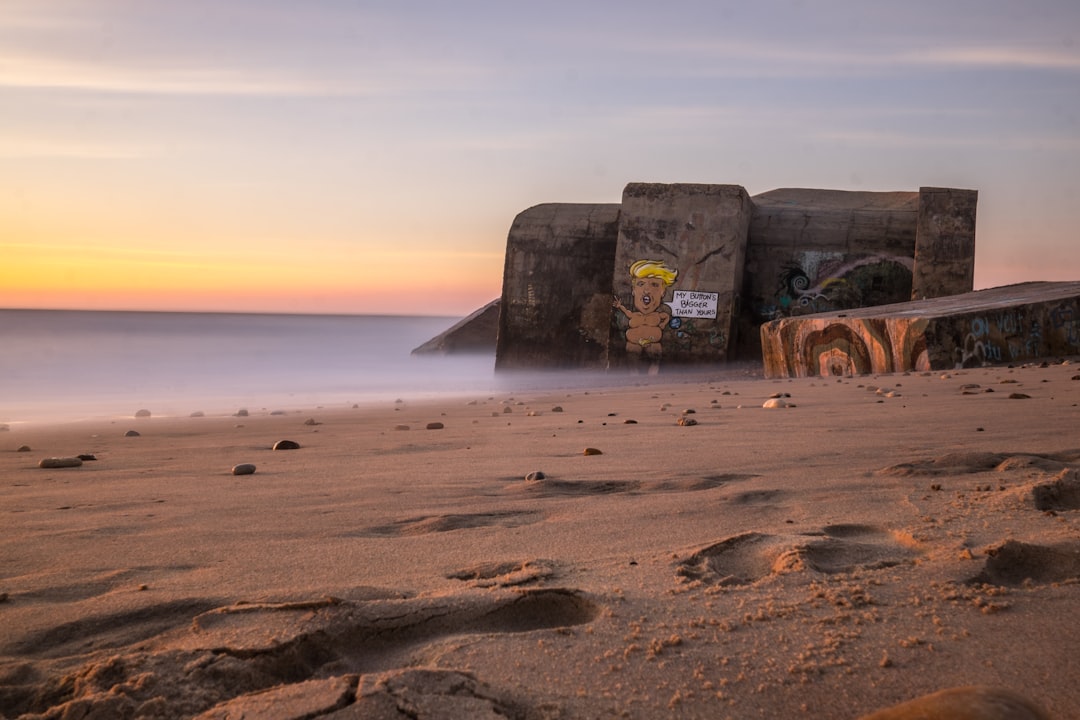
column 685, row 274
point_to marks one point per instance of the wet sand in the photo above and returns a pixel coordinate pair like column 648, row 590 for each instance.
column 872, row 540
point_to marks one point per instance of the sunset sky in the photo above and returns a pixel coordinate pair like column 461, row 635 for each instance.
column 369, row 157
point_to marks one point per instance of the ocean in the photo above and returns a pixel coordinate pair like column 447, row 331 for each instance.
column 71, row 365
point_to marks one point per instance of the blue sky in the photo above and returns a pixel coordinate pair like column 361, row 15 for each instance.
column 333, row 156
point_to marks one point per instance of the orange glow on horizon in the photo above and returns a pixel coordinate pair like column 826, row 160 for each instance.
column 121, row 279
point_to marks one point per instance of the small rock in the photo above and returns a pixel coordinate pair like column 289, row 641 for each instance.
column 132, row 433
column 591, row 451
column 60, row 462
column 243, row 469
column 312, row 421
column 535, row 475
column 508, row 409
column 286, row 445
column 401, row 427
column 776, row 403
column 628, row 421
column 277, row 412
column 142, row 413
column 435, row 426
column 558, row 408
column 689, row 411
column 86, row 457
column 197, row 413
column 242, row 412
column 1019, row 396
column 686, row 421
column 23, row 448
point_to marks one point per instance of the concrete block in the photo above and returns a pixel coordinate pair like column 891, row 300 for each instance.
column 945, row 243
column 555, row 308
column 678, row 274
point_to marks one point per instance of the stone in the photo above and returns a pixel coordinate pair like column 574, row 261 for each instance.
column 535, row 475
column 142, row 413
column 591, row 451
column 133, row 433
column 197, row 414
column 23, row 448
column 60, row 462
column 773, row 403
column 243, row 469
column 686, row 421
column 435, row 426
column 286, row 445
column 312, row 421
column 401, row 427
column 87, row 457
column 242, row 412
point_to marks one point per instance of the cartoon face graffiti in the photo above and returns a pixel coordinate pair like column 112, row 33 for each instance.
column 649, row 280
column 648, row 293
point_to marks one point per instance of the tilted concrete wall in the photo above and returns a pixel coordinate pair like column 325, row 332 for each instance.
column 555, row 308
column 1014, row 323
column 819, row 250
column 699, row 233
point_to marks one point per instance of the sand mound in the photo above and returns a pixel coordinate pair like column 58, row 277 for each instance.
column 1017, row 563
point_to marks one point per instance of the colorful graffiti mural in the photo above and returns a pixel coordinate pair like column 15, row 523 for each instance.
column 817, row 281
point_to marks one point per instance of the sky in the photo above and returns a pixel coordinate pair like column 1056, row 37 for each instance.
column 338, row 156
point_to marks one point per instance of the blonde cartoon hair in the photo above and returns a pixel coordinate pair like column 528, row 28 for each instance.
column 654, row 268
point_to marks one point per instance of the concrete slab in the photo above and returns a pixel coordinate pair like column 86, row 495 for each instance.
column 1013, row 323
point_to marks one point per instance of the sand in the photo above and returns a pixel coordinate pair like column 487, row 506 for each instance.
column 869, row 541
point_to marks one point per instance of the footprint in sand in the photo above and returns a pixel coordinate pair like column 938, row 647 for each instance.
column 1016, row 563
column 505, row 574
column 426, row 524
column 258, row 659
column 749, row 557
column 967, row 463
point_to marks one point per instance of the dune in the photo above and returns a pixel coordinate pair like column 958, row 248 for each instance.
column 884, row 547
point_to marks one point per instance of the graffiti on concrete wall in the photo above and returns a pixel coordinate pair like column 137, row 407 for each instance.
column 1018, row 333
column 806, row 348
column 816, row 281
column 648, row 314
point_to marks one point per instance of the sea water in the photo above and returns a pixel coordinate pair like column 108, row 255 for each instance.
column 68, row 365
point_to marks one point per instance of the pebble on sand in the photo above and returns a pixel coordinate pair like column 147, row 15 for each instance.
column 132, row 433
column 435, row 426
column 286, row 445
column 535, row 475
column 777, row 403
column 243, row 469
column 686, row 421
column 23, row 448
column 60, row 462
column 144, row 413
column 591, row 451
column 401, row 427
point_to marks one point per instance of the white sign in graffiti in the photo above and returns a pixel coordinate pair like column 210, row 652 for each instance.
column 694, row 304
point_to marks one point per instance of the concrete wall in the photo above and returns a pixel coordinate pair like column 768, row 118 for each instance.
column 556, row 300
column 698, row 233
column 819, row 250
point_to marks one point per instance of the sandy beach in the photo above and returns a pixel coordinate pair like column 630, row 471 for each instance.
column 867, row 541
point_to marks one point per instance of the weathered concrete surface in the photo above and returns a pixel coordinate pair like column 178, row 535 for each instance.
column 945, row 243
column 819, row 250
column 1013, row 323
column 556, row 303
column 473, row 334
column 693, row 237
